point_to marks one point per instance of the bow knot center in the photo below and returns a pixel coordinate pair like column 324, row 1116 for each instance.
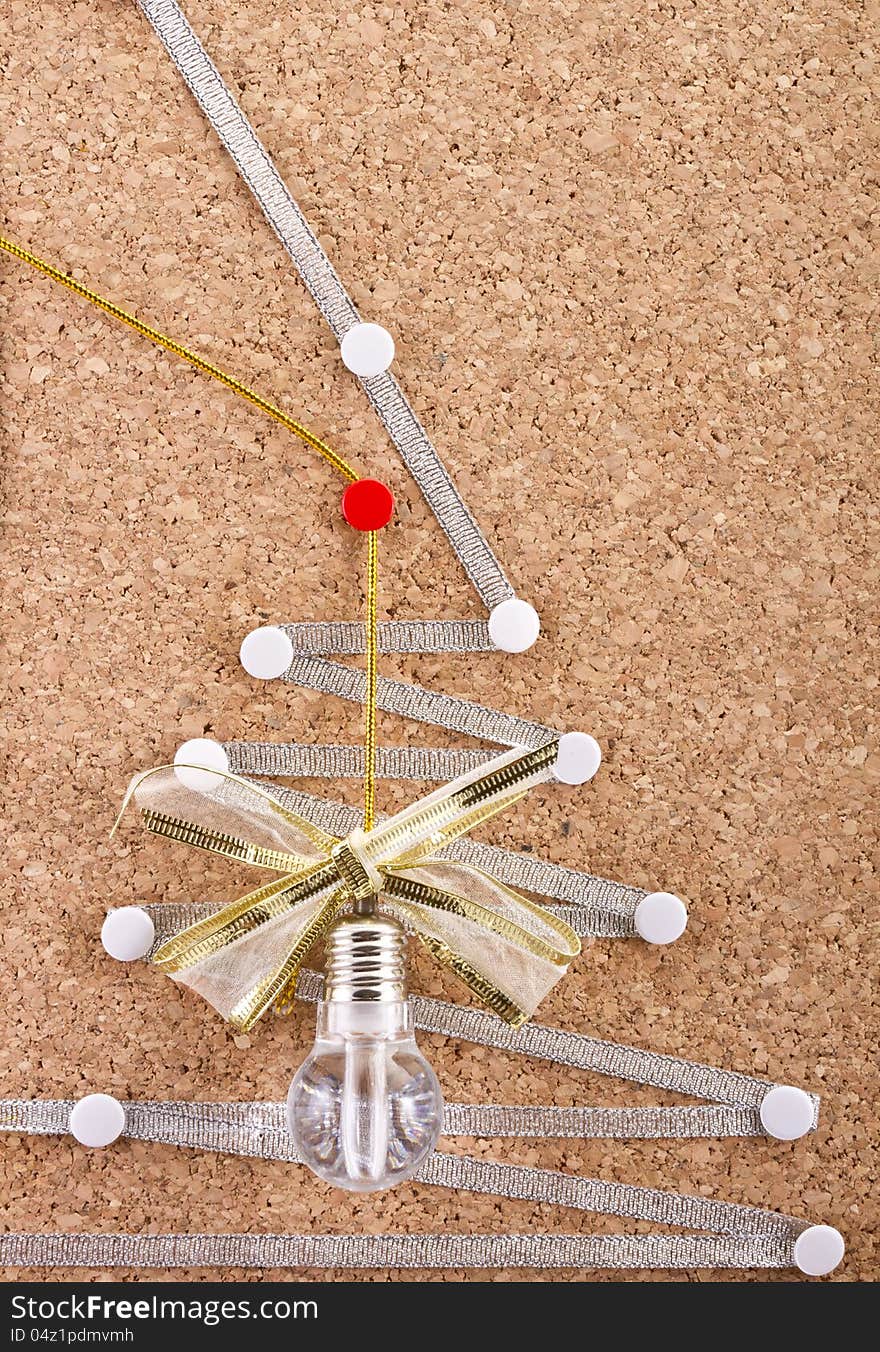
column 356, row 870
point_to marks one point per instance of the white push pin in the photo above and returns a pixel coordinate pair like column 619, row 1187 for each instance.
column 128, row 933
column 514, row 625
column 266, row 653
column 200, row 751
column 786, row 1112
column 818, row 1250
column 98, row 1119
column 660, row 918
column 367, row 350
column 578, row 758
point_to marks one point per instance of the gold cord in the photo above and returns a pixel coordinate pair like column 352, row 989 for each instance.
column 371, row 693
column 206, row 367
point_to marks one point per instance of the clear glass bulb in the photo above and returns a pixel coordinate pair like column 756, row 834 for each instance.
column 365, row 1108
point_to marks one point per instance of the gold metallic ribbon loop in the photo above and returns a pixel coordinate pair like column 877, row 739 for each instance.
column 247, row 956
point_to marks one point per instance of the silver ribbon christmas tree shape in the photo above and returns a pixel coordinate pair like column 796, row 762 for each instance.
column 733, row 1236
column 612, row 907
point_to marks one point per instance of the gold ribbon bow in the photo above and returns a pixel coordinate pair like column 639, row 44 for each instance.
column 246, row 958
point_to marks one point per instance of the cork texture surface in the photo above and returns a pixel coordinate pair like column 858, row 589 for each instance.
column 626, row 254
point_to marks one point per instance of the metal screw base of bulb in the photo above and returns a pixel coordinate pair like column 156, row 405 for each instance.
column 366, row 960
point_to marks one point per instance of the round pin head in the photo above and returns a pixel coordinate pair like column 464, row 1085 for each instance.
column 266, row 652
column 818, row 1250
column 578, row 758
column 514, row 625
column 198, row 751
column 367, row 504
column 367, row 350
column 660, row 918
column 128, row 933
column 786, row 1112
column 97, row 1120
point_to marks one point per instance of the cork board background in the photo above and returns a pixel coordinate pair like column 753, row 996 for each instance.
column 625, row 250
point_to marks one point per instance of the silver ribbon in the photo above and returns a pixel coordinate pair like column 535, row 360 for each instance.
column 410, row 1251
column 420, row 704
column 298, row 760
column 258, row 1130
column 347, row 638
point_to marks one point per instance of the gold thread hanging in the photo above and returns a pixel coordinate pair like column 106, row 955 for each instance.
column 370, row 702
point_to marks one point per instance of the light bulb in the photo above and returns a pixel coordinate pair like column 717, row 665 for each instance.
column 365, row 1108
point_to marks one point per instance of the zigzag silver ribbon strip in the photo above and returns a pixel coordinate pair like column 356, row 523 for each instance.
column 736, row 1235
column 585, row 1053
column 645, row 1252
column 257, row 1130
column 315, row 269
column 744, row 1093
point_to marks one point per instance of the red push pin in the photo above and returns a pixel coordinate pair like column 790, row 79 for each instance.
column 367, row 504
